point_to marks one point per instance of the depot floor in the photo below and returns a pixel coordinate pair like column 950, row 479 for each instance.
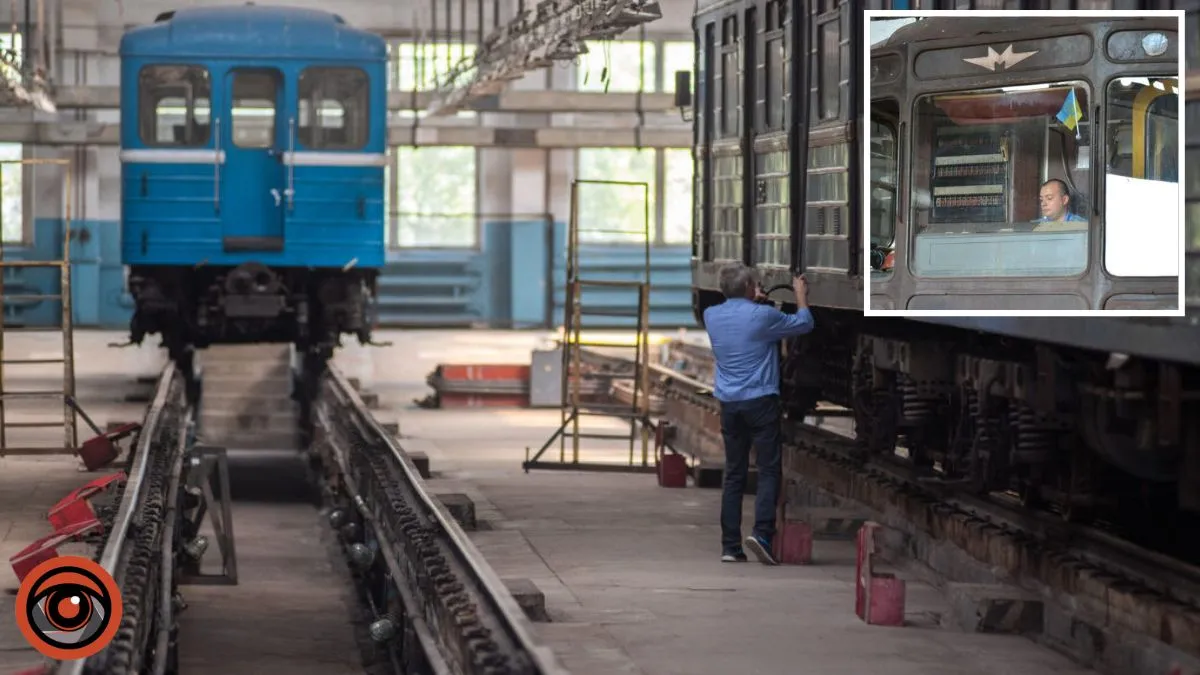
column 629, row 570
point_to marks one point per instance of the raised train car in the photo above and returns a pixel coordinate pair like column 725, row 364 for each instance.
column 1081, row 412
column 252, row 151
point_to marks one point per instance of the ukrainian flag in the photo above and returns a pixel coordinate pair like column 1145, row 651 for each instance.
column 1070, row 113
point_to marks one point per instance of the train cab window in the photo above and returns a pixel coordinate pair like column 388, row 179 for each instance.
column 883, row 192
column 999, row 182
column 252, row 114
column 1141, row 204
column 334, row 109
column 173, row 106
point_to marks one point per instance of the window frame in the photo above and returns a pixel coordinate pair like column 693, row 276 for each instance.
column 360, row 120
column 892, row 124
column 231, row 106
column 1084, row 83
column 1146, row 160
column 148, row 123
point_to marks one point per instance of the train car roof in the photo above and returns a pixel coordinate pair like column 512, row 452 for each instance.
column 940, row 28
column 253, row 31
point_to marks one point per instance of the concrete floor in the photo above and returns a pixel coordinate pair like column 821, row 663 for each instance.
column 30, row 485
column 630, row 571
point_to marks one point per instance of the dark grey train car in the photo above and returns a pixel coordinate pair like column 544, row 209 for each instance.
column 1084, row 412
column 970, row 116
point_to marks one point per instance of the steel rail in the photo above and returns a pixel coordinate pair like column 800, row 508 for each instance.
column 131, row 496
column 1151, row 568
column 507, row 612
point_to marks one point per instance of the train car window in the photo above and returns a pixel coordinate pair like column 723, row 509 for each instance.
column 173, row 106
column 1000, row 180
column 884, row 170
column 252, row 113
column 731, row 80
column 1141, row 204
column 334, row 108
column 829, row 59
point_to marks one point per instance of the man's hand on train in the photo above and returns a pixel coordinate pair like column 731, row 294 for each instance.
column 759, row 295
column 800, row 287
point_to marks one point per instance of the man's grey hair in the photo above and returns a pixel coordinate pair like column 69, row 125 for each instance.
column 737, row 280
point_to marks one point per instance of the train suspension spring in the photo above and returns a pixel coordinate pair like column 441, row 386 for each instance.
column 913, row 406
column 1032, row 441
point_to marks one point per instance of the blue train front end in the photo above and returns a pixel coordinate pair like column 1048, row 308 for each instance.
column 253, row 144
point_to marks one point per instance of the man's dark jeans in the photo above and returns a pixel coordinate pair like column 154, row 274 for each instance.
column 744, row 423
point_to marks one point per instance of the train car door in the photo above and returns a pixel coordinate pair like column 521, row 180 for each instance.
column 252, row 187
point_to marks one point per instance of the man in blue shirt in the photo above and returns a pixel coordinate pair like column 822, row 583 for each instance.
column 744, row 335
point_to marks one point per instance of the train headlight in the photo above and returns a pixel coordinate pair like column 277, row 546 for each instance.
column 1155, row 44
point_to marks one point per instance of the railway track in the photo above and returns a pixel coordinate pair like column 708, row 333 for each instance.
column 435, row 606
column 1111, row 603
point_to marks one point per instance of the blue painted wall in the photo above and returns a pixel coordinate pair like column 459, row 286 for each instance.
column 98, row 297
column 515, row 279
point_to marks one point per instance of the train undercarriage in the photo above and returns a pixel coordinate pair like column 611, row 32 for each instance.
column 193, row 308
column 1090, row 435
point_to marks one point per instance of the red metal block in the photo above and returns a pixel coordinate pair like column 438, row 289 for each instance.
column 99, row 451
column 793, row 543
column 449, row 400
column 36, row 670
column 672, row 471
column 878, row 598
column 507, row 372
column 76, row 507
column 45, row 548
column 672, row 468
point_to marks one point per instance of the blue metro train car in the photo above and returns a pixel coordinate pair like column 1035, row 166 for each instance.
column 252, row 151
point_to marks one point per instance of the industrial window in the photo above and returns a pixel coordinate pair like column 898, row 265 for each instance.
column 341, row 100
column 677, row 56
column 12, row 196
column 252, row 113
column 423, row 67
column 437, row 198
column 173, row 106
column 677, row 196
column 12, row 43
column 1141, row 202
column 616, row 213
column 420, row 67
column 613, row 66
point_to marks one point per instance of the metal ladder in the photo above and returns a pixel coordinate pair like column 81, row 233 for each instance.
column 578, row 378
column 30, row 443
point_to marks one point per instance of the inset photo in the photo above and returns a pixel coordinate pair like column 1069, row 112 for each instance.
column 1024, row 163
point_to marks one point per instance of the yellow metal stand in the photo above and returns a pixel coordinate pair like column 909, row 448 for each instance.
column 11, row 398
column 579, row 363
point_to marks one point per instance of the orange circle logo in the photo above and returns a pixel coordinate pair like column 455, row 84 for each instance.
column 68, row 608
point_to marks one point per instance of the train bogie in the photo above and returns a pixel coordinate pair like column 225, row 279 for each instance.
column 253, row 152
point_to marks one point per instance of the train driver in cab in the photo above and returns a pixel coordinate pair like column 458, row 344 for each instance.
column 1055, row 201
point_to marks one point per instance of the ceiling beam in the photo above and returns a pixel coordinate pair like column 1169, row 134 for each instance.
column 525, row 101
column 97, row 134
